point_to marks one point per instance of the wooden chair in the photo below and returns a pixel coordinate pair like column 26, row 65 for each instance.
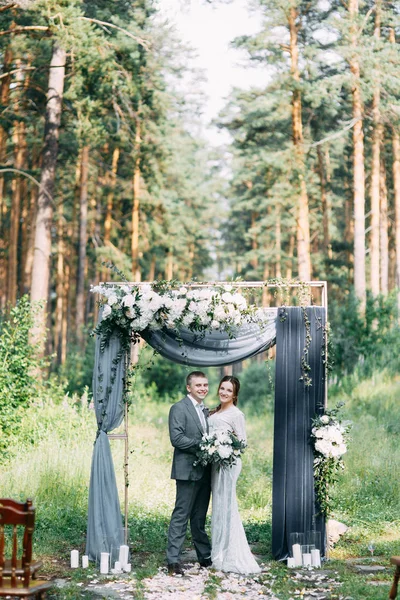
column 16, row 572
column 395, row 560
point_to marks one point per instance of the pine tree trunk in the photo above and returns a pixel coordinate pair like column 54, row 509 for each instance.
column 83, row 223
column 33, row 196
column 289, row 268
column 135, row 208
column 59, row 282
column 324, row 202
column 4, row 100
column 384, row 233
column 303, row 224
column 278, row 242
column 254, row 244
column 375, row 171
column 64, row 325
column 44, row 218
column 358, row 165
column 112, row 178
column 19, row 141
column 169, row 267
column 152, row 270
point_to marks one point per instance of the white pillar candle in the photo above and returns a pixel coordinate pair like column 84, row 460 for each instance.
column 123, row 555
column 104, row 557
column 85, row 561
column 296, row 551
column 291, row 563
column 127, row 568
column 74, row 559
column 315, row 558
column 117, row 566
column 307, row 560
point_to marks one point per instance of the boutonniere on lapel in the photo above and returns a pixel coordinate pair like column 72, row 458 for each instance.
column 206, row 412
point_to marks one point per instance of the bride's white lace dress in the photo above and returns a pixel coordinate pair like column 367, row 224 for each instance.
column 230, row 550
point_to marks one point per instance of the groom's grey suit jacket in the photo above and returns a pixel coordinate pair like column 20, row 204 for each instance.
column 185, row 432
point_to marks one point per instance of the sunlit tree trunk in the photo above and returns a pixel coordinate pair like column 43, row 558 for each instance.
column 322, row 172
column 254, row 243
column 44, row 218
column 83, row 223
column 152, row 270
column 59, row 282
column 135, row 208
column 289, row 268
column 358, row 163
column 111, row 180
column 303, row 225
column 4, row 100
column 375, row 171
column 169, row 267
column 278, row 242
column 384, row 233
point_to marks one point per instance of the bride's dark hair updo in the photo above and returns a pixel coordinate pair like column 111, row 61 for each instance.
column 236, row 387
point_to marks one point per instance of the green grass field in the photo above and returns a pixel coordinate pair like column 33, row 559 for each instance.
column 52, row 465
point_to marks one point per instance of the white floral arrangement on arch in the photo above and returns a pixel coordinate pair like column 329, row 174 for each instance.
column 329, row 436
column 128, row 310
column 221, row 448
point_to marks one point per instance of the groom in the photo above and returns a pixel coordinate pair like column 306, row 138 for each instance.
column 187, row 423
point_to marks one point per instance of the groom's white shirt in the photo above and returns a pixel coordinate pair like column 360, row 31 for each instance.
column 199, row 410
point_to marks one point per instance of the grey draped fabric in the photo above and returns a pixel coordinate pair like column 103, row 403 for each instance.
column 293, row 505
column 104, row 528
column 215, row 348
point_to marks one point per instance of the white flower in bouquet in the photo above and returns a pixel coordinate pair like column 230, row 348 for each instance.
column 205, row 294
column 128, row 300
column 324, row 419
column 188, row 319
column 223, row 437
column 112, row 299
column 177, row 309
column 227, row 297
column 211, row 450
column 107, row 310
column 131, row 314
column 215, row 324
column 168, row 302
column 224, row 451
column 219, row 313
column 239, row 300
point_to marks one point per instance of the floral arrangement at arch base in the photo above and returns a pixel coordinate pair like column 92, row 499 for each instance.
column 127, row 310
column 329, row 436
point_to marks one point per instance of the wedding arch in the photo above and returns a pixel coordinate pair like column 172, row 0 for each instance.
column 299, row 333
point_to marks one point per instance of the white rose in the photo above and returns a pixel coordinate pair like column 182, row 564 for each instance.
column 106, row 311
column 239, row 300
column 211, row 450
column 219, row 313
column 182, row 291
column 228, row 288
column 131, row 314
column 224, row 451
column 215, row 324
column 112, row 299
column 168, row 302
column 128, row 300
column 227, row 297
column 324, row 419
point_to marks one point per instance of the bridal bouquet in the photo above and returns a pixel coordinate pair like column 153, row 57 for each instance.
column 329, row 435
column 221, row 448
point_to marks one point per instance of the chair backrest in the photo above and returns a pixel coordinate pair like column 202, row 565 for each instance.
column 16, row 514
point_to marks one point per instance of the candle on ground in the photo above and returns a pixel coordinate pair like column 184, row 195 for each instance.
column 296, row 551
column 74, row 559
column 291, row 563
column 307, row 560
column 85, row 561
column 315, row 558
column 104, row 557
column 123, row 555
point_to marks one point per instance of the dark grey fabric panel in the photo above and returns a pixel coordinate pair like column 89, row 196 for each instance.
column 293, row 505
column 215, row 348
column 105, row 529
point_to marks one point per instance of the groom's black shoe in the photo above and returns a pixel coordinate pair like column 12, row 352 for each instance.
column 175, row 569
column 206, row 562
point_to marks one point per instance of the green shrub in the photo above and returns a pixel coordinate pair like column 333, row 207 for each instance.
column 18, row 361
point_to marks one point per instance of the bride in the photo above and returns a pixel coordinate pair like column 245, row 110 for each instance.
column 230, row 550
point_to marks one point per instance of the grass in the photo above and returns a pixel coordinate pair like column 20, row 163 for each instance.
column 52, row 465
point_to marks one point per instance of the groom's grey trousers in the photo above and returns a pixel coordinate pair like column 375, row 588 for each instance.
column 193, row 484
